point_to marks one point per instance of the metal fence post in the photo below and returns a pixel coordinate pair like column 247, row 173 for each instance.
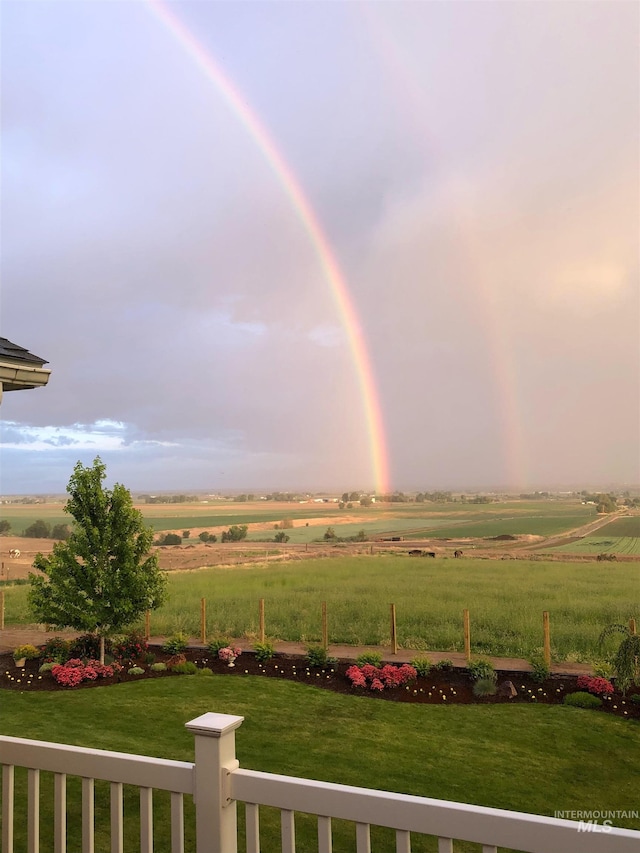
column 215, row 761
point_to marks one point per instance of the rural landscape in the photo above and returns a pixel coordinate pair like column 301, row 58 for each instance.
column 496, row 625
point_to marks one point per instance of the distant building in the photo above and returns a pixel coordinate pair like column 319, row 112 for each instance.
column 20, row 369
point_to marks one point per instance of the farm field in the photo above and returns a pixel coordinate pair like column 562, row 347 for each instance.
column 505, row 598
column 599, row 544
column 455, row 519
column 435, row 750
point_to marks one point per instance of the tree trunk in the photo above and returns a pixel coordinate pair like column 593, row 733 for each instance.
column 102, row 649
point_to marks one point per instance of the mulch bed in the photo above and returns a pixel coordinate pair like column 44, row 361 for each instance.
column 448, row 687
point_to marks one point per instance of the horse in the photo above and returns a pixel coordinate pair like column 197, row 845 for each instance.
column 13, row 553
column 457, row 553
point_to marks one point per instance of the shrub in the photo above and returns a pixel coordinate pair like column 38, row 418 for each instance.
column 374, row 658
column 204, row 536
column 377, row 678
column 46, row 667
column 444, row 665
column 264, row 652
column 635, row 698
column 595, row 685
column 56, row 649
column 135, row 670
column 485, row 687
column 149, row 658
column 74, row 672
column 602, row 669
column 170, row 539
column 540, row 670
column 131, row 647
column 176, row 659
column 626, row 661
column 235, row 533
column 217, row 644
column 205, row 671
column 88, row 646
column 422, row 666
column 281, row 536
column 176, row 643
column 318, row 656
column 188, row 667
column 582, row 700
column 481, row 668
column 158, row 667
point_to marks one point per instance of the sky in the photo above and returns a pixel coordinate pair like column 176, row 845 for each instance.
column 322, row 246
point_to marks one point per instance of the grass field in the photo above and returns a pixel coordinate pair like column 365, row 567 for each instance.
column 530, row 759
column 505, row 597
column 628, row 526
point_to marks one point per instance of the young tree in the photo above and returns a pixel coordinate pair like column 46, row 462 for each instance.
column 102, row 578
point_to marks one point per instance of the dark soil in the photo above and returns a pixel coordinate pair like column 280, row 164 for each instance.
column 450, row 687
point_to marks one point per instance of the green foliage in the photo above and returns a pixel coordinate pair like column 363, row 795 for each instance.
column 206, row 671
column 481, row 668
column 56, row 650
column 170, row 539
column 186, row 668
column 47, row 667
column 235, row 533
column 28, row 651
column 186, row 534
column 38, row 530
column 61, row 532
column 485, row 687
column 149, row 658
column 635, row 698
column 422, row 666
column 102, row 578
column 329, row 534
column 602, row 669
column 158, row 667
column 626, row 661
column 582, row 700
column 264, row 651
column 135, row 670
column 218, row 643
column 5, row 526
column 204, row 536
column 281, row 536
column 540, row 671
column 318, row 656
column 87, row 646
column 176, row 643
column 374, row 658
column 444, row 665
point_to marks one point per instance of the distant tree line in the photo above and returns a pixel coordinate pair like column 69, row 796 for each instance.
column 39, row 530
column 167, row 499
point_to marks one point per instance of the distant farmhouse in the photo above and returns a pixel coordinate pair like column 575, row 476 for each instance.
column 20, row 369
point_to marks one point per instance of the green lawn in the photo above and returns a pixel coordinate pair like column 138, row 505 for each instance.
column 532, row 759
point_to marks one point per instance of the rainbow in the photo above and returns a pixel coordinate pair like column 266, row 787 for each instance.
column 517, row 467
column 309, row 221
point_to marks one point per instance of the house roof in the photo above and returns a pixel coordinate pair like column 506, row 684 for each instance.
column 20, row 369
column 12, row 352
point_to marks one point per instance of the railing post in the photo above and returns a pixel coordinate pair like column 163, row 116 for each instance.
column 215, row 761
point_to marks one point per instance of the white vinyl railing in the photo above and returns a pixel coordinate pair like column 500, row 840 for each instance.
column 217, row 784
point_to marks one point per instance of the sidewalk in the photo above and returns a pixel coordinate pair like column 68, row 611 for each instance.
column 12, row 637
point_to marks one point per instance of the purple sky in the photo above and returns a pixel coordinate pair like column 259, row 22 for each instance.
column 475, row 167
